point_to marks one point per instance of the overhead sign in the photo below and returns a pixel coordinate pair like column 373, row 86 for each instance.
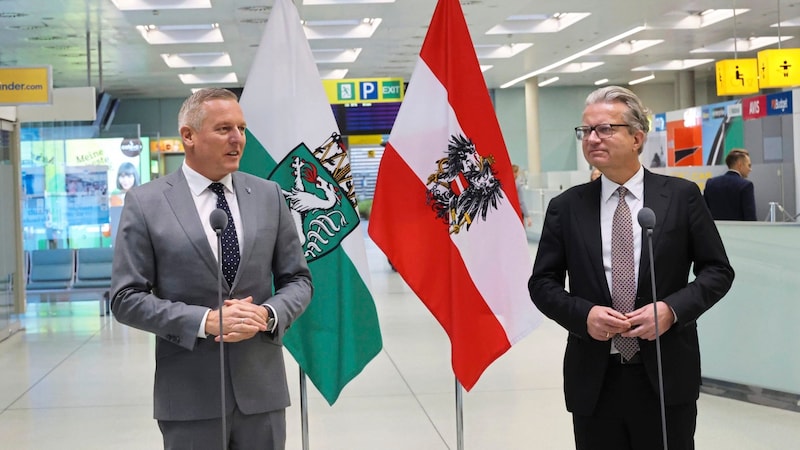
column 779, row 104
column 26, row 85
column 737, row 76
column 779, row 68
column 754, row 107
column 364, row 90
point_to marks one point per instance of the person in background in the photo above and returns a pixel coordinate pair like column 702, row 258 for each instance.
column 127, row 178
column 591, row 237
column 731, row 196
column 595, row 174
column 520, row 194
column 165, row 282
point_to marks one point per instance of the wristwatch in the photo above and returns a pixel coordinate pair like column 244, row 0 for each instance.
column 270, row 320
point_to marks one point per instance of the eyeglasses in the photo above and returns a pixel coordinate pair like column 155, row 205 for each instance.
column 603, row 130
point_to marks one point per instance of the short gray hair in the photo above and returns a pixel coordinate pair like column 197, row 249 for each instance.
column 192, row 113
column 635, row 116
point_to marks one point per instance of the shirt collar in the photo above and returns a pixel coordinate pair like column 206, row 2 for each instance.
column 198, row 183
column 635, row 186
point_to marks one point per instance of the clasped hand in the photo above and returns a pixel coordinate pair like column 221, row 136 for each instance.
column 604, row 322
column 241, row 320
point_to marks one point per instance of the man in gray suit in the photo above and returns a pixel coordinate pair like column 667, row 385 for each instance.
column 165, row 282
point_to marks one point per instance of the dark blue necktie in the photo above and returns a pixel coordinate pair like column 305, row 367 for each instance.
column 230, row 244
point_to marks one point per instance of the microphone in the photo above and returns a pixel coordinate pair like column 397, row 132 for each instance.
column 219, row 221
column 647, row 220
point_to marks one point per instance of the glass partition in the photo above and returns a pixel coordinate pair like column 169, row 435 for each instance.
column 74, row 186
column 750, row 337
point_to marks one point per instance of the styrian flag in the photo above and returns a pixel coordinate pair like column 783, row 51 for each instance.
column 445, row 210
column 293, row 139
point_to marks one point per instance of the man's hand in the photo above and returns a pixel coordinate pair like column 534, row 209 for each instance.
column 604, row 322
column 241, row 320
column 644, row 325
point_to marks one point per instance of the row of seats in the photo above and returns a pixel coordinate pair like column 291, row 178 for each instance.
column 66, row 270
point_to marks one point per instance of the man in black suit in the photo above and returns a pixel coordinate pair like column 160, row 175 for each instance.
column 613, row 398
column 731, row 196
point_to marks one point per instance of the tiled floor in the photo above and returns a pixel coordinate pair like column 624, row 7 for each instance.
column 74, row 380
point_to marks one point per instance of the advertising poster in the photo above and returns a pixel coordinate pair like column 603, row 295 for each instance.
column 86, row 195
column 722, row 131
column 684, row 137
column 654, row 153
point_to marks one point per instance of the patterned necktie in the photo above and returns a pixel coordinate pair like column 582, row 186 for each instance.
column 623, row 273
column 230, row 243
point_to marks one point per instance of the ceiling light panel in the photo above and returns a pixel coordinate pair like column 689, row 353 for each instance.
column 578, row 67
column 629, row 47
column 675, row 64
column 692, row 20
column 548, row 81
column 341, row 29
column 336, row 55
column 574, row 56
column 536, row 23
column 642, row 80
column 333, row 74
column 209, row 78
column 499, row 51
column 180, row 60
column 787, row 23
column 740, row 45
column 150, row 5
column 180, row 34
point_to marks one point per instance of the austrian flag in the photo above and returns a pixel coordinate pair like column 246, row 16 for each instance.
column 446, row 211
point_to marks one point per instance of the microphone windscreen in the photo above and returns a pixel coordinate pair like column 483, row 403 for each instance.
column 218, row 219
column 646, row 218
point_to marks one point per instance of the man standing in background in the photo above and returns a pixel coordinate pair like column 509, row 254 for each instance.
column 731, row 196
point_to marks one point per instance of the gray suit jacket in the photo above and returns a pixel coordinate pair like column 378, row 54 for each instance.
column 165, row 278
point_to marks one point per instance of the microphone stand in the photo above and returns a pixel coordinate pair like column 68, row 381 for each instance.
column 219, row 221
column 218, row 231
column 658, row 338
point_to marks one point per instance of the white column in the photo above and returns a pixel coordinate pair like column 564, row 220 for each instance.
column 532, row 127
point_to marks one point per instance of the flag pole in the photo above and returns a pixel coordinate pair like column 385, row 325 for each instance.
column 459, row 417
column 303, row 409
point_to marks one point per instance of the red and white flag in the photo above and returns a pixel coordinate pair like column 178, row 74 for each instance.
column 445, row 210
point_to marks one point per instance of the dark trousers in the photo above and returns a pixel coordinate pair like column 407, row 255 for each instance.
column 628, row 416
column 265, row 431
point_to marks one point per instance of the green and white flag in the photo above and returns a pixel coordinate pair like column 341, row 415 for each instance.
column 293, row 139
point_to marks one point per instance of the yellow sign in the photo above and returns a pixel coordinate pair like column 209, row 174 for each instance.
column 26, row 85
column 779, row 68
column 364, row 90
column 737, row 76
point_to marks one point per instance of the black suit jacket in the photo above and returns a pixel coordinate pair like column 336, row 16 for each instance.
column 730, row 197
column 570, row 245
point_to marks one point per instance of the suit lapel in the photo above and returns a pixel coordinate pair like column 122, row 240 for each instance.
column 587, row 217
column 248, row 210
column 180, row 200
column 657, row 198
